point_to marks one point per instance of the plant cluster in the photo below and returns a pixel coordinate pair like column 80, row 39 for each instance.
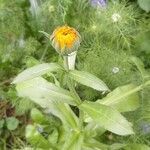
column 114, row 36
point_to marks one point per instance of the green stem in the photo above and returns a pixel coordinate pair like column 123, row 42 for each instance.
column 73, row 91
column 78, row 101
column 44, row 53
column 70, row 82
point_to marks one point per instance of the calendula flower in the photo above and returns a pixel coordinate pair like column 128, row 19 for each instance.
column 65, row 40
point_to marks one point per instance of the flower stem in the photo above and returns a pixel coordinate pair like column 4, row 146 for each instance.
column 71, row 87
column 66, row 63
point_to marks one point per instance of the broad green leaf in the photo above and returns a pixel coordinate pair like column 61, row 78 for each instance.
column 65, row 113
column 39, row 88
column 12, row 123
column 107, row 117
column 36, row 71
column 144, row 4
column 73, row 141
column 49, row 96
column 38, row 117
column 35, row 138
column 137, row 147
column 88, row 79
column 121, row 99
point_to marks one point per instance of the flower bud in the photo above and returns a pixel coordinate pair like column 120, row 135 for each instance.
column 65, row 40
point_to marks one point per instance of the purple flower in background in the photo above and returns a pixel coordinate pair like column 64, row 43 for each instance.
column 101, row 3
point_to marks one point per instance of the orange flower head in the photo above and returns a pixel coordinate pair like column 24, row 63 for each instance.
column 65, row 40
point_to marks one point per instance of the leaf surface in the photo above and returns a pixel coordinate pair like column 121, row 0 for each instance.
column 88, row 79
column 107, row 117
column 121, row 99
column 36, row 71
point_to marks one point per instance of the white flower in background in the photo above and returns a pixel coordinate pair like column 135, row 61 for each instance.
column 40, row 129
column 116, row 17
column 94, row 27
column 115, row 70
column 51, row 8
